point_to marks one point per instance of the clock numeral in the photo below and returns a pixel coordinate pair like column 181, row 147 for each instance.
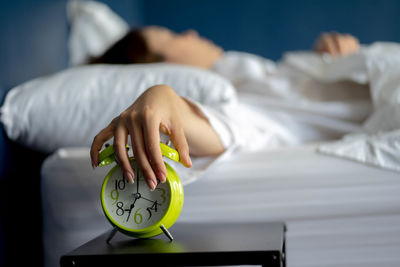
column 120, row 184
column 153, row 207
column 120, row 210
column 114, row 194
column 138, row 218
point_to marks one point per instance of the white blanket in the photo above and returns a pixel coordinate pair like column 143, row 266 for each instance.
column 378, row 142
column 308, row 97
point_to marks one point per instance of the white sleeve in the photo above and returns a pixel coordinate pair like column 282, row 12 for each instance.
column 240, row 128
column 220, row 121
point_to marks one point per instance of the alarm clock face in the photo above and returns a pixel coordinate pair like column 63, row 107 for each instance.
column 134, row 206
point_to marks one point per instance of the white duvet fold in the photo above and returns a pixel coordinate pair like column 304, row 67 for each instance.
column 378, row 142
column 307, row 97
column 379, row 150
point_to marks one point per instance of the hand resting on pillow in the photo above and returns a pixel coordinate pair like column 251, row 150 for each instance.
column 159, row 108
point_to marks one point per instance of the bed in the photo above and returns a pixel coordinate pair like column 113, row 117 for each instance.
column 37, row 35
column 338, row 212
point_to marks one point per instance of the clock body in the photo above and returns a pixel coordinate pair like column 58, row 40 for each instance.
column 137, row 211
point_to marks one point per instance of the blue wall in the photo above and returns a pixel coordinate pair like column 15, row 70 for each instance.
column 33, row 39
column 269, row 28
column 34, row 33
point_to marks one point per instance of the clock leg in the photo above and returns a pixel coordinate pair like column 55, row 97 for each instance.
column 166, row 232
column 112, row 234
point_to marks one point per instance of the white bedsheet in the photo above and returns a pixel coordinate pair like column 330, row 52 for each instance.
column 338, row 212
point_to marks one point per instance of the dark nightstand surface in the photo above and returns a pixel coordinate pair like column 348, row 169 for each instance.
column 194, row 245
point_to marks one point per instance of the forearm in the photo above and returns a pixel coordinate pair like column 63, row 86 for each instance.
column 201, row 137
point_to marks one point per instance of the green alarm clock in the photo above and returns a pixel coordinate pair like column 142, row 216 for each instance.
column 134, row 209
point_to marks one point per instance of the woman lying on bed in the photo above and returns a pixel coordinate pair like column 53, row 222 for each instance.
column 161, row 109
column 157, row 44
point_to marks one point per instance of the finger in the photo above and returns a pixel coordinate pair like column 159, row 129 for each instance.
column 317, row 46
column 338, row 43
column 98, row 142
column 353, row 44
column 179, row 140
column 320, row 45
column 139, row 151
column 351, row 38
column 121, row 154
column 329, row 46
column 151, row 130
column 347, row 45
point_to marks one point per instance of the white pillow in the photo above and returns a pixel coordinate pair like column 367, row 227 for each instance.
column 94, row 27
column 70, row 107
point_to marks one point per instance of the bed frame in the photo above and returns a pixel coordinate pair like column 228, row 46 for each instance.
column 34, row 43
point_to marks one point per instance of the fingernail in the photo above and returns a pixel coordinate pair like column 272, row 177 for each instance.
column 188, row 161
column 129, row 177
column 94, row 165
column 153, row 185
column 162, row 177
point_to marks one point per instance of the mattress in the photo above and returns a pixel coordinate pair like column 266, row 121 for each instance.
column 337, row 212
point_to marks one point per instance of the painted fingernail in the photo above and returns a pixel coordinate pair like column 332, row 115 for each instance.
column 129, row 177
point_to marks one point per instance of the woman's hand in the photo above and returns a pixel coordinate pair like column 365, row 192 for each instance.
column 159, row 108
column 336, row 44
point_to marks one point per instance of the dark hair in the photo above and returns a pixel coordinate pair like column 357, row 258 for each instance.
column 132, row 48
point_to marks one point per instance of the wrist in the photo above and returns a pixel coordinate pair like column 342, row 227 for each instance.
column 200, row 135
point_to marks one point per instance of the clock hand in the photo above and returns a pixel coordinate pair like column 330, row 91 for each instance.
column 131, row 208
column 150, row 200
